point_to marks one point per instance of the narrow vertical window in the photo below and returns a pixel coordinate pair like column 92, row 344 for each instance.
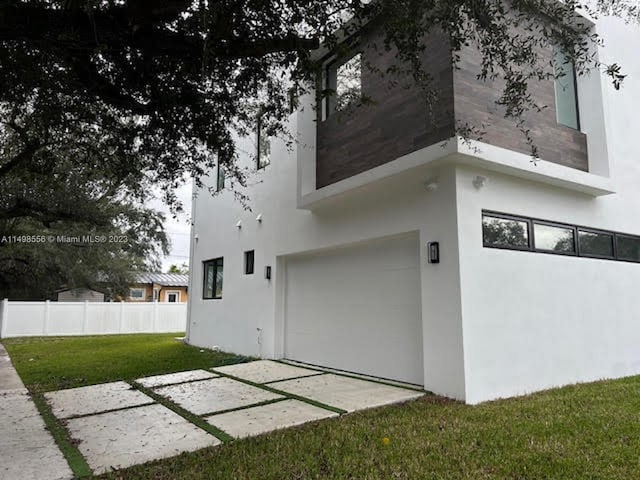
column 221, row 177
column 567, row 111
column 344, row 82
column 263, row 145
column 249, row 261
column 212, row 278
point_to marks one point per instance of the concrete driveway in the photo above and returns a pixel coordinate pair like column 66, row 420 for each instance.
column 116, row 425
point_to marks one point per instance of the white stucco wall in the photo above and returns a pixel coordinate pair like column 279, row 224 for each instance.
column 494, row 323
column 531, row 320
column 249, row 317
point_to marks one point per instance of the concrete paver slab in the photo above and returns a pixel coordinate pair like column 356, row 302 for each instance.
column 263, row 371
column 95, row 399
column 10, row 382
column 265, row 418
column 347, row 393
column 27, row 449
column 217, row 394
column 137, row 435
column 172, row 378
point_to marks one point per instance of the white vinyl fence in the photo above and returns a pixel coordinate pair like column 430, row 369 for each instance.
column 26, row 319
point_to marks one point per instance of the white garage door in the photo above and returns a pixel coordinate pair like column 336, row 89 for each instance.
column 357, row 309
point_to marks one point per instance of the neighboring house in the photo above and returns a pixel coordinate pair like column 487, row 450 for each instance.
column 159, row 287
column 337, row 264
column 80, row 295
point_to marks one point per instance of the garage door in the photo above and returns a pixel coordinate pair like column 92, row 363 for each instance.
column 357, row 309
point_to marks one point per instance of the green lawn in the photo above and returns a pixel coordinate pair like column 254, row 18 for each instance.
column 53, row 363
column 589, row 431
column 580, row 432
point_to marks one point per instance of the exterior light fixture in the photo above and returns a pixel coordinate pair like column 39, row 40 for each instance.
column 267, row 272
column 239, row 224
column 480, row 181
column 434, row 252
column 431, row 184
column 259, row 218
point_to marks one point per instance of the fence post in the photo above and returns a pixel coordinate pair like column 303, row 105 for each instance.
column 47, row 316
column 4, row 317
column 85, row 316
column 121, row 317
column 154, row 317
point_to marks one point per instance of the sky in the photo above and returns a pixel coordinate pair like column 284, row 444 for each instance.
column 177, row 229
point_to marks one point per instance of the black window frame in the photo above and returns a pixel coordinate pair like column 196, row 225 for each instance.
column 546, row 223
column 627, row 235
column 575, row 91
column 221, row 177
column 506, row 216
column 576, row 229
column 216, row 263
column 330, row 73
column 249, row 262
column 259, row 135
column 598, row 232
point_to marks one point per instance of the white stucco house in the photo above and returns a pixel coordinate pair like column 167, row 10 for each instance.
column 538, row 274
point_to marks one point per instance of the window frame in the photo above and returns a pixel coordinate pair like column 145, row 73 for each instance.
column 576, row 100
column 217, row 262
column 259, row 136
column 546, row 223
column 506, row 216
column 635, row 237
column 330, row 80
column 220, row 170
column 172, row 292
column 252, row 255
column 137, row 289
column 576, row 229
column 601, row 232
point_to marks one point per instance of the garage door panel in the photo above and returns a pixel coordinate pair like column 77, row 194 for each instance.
column 357, row 309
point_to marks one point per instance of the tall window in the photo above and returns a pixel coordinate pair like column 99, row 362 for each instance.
column 221, row 177
column 213, row 270
column 249, row 261
column 263, row 145
column 566, row 90
column 344, row 80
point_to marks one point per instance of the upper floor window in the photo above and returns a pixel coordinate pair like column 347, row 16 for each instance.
column 344, row 81
column 221, row 177
column 263, row 145
column 212, row 281
column 566, row 90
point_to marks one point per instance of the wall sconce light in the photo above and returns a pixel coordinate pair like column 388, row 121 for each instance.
column 267, row 272
column 239, row 224
column 434, row 252
column 259, row 218
column 195, row 237
column 480, row 181
column 431, row 184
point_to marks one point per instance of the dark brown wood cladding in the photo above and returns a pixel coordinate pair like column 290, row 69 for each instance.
column 394, row 124
column 366, row 136
column 475, row 105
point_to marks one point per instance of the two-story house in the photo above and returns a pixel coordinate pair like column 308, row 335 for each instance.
column 385, row 245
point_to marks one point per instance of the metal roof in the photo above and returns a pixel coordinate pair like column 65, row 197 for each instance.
column 165, row 279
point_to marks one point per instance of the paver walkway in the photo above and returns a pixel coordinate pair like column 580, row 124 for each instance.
column 27, row 450
column 119, row 424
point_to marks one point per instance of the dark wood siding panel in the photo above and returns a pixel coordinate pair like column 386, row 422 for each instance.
column 475, row 105
column 395, row 124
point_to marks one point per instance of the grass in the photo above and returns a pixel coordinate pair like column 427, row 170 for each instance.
column 588, row 431
column 54, row 363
